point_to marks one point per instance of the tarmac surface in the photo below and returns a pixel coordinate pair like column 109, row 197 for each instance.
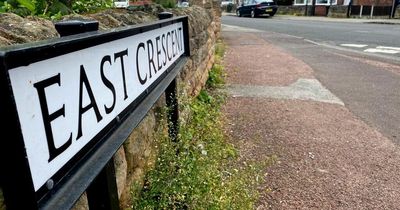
column 376, row 20
column 326, row 157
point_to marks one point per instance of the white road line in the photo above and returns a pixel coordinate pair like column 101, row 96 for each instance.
column 354, row 45
column 374, row 50
column 389, row 48
column 297, row 37
column 225, row 27
column 312, row 42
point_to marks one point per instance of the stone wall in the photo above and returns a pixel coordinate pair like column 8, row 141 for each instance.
column 397, row 13
column 338, row 11
column 292, row 10
column 139, row 152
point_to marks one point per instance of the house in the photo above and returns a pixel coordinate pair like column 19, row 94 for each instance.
column 357, row 8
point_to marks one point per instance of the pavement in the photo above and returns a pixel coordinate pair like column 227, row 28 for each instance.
column 326, row 157
column 330, row 19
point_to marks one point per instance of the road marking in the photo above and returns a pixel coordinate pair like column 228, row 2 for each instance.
column 312, row 42
column 389, row 48
column 232, row 28
column 302, row 89
column 297, row 37
column 354, row 45
column 375, row 50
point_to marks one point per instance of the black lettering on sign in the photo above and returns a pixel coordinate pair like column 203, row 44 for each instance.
column 163, row 47
column 178, row 44
column 169, row 57
column 142, row 81
column 121, row 56
column 150, row 56
column 47, row 117
column 84, row 81
column 107, row 83
column 173, row 42
column 158, row 50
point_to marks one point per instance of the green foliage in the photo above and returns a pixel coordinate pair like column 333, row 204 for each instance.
column 53, row 9
column 30, row 5
column 216, row 75
column 166, row 3
column 200, row 170
column 219, row 49
column 88, row 6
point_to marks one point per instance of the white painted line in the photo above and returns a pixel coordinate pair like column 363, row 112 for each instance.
column 374, row 50
column 310, row 41
column 354, row 45
column 297, row 37
column 362, row 31
column 389, row 48
column 232, row 28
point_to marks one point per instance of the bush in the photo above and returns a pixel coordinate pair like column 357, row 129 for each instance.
column 167, row 3
column 52, row 8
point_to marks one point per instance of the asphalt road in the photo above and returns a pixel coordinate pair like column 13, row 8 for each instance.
column 327, row 32
column 368, row 83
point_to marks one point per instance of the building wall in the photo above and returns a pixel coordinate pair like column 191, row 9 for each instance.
column 373, row 2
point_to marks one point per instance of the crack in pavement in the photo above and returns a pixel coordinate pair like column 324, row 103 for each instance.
column 302, row 89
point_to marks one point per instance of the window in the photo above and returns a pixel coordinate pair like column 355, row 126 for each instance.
column 325, row 2
column 302, row 2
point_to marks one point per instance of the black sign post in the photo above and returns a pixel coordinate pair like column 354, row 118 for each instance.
column 171, row 97
column 69, row 104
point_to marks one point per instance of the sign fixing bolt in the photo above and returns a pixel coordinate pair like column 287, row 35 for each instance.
column 50, row 184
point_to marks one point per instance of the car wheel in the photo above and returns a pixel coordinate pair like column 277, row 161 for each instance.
column 238, row 13
column 253, row 14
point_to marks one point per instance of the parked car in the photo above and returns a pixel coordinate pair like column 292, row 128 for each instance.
column 183, row 3
column 254, row 8
column 121, row 3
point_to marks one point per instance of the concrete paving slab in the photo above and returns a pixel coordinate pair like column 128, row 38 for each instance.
column 302, row 89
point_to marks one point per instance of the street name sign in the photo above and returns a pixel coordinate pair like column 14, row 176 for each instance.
column 66, row 96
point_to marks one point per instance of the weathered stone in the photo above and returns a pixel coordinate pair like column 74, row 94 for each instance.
column 4, row 41
column 121, row 169
column 82, row 203
column 292, row 10
column 338, row 11
column 137, row 142
column 16, row 30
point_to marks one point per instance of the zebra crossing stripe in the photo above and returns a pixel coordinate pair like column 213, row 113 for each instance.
column 376, row 50
column 389, row 48
column 354, row 45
